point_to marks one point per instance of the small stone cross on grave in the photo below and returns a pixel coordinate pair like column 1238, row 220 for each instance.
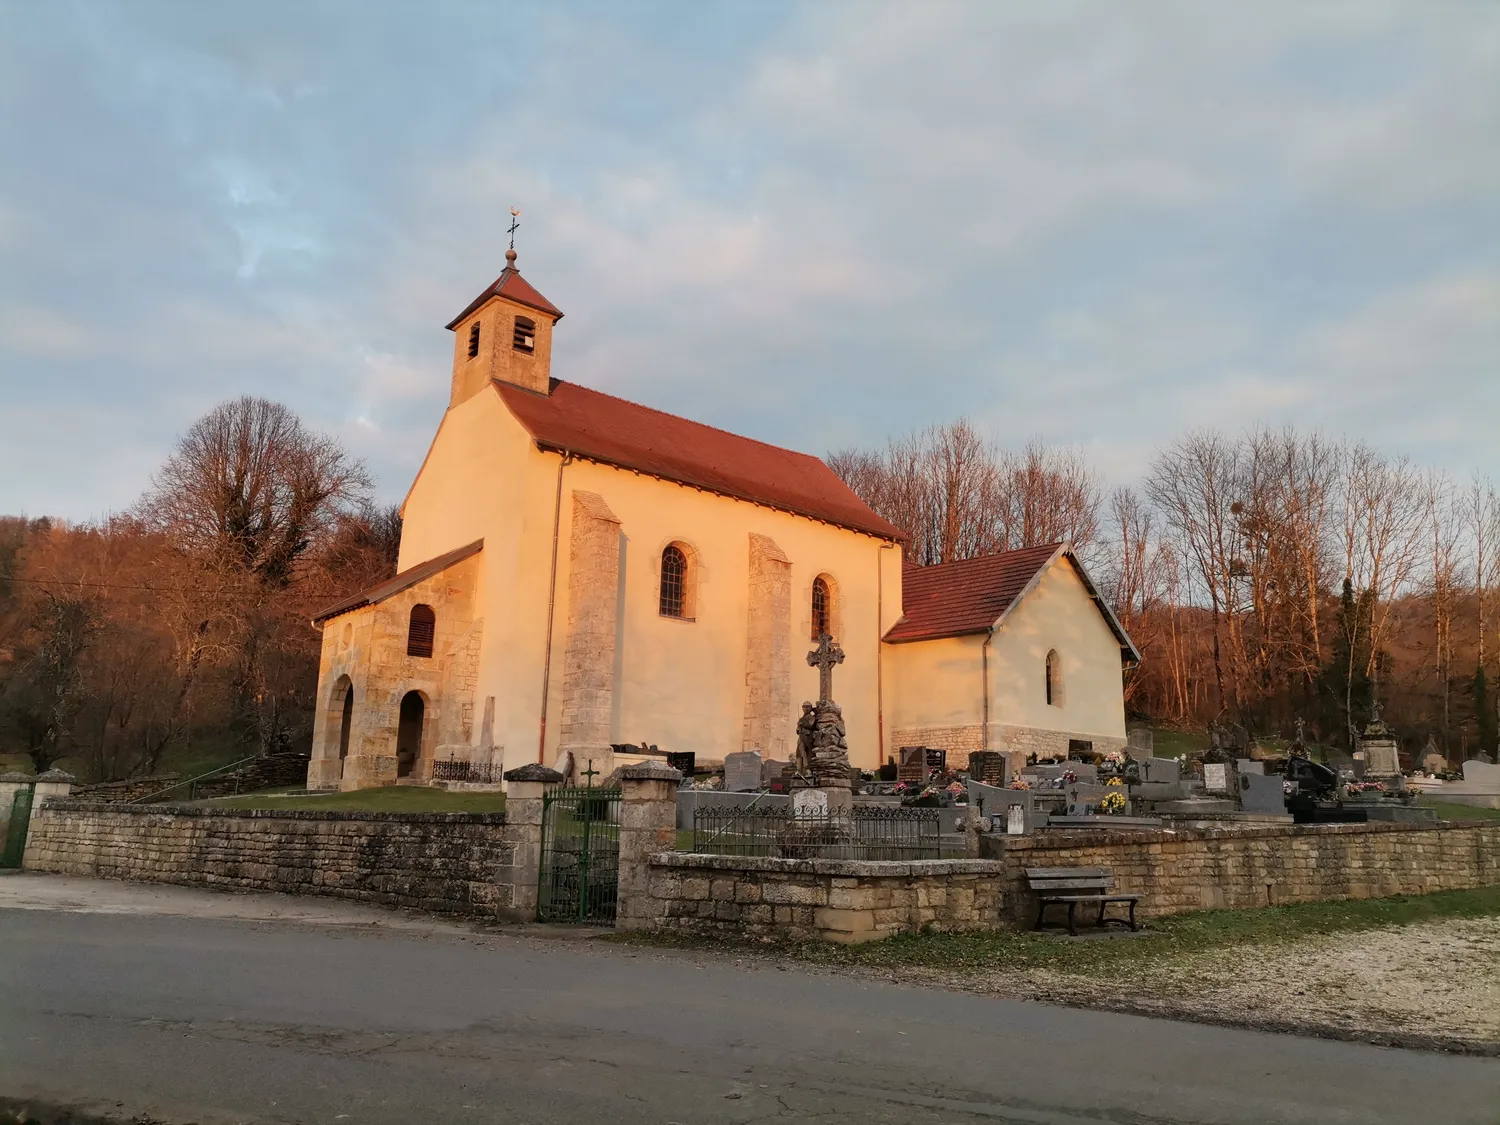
column 823, row 658
column 590, row 773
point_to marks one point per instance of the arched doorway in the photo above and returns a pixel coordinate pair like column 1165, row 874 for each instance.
column 409, row 733
column 346, row 722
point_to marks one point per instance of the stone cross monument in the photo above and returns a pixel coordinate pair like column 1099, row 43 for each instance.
column 824, row 658
column 822, row 745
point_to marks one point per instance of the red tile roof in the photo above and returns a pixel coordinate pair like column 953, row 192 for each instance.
column 959, row 598
column 513, row 287
column 600, row 427
column 403, row 581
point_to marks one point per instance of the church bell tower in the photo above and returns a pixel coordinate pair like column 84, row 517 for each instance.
column 505, row 334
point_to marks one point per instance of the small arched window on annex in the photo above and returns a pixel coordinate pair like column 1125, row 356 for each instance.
column 420, row 631
column 524, row 339
column 823, row 605
column 677, row 590
column 1054, row 679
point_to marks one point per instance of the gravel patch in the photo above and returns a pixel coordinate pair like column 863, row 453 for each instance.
column 1433, row 984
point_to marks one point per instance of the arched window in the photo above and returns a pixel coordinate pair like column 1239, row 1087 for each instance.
column 673, row 582
column 473, row 339
column 420, row 632
column 822, row 608
column 525, row 336
column 1054, row 680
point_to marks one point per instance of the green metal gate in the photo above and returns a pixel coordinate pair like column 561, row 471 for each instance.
column 580, row 869
column 15, row 835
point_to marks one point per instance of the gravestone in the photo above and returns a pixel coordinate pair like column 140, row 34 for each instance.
column 771, row 770
column 1433, row 759
column 1217, row 778
column 1140, row 742
column 1261, row 793
column 1164, row 770
column 1083, row 797
column 913, row 764
column 1015, row 819
column 1080, row 746
column 1378, row 748
column 682, row 761
column 810, row 802
column 936, row 759
column 742, row 771
column 988, row 767
column 1482, row 772
column 1249, row 765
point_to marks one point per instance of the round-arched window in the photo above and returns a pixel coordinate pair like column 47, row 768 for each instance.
column 420, row 631
column 822, row 608
column 673, row 582
column 1054, row 679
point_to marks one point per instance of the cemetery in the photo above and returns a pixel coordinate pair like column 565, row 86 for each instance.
column 811, row 849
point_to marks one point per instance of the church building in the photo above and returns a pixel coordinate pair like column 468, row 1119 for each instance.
column 579, row 574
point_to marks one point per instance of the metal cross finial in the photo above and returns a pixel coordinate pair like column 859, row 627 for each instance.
column 515, row 222
column 590, row 773
column 823, row 658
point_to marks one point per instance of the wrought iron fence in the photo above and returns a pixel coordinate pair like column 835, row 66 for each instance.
column 485, row 773
column 863, row 832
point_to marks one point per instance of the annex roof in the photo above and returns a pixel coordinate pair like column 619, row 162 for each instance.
column 963, row 598
column 600, row 427
column 403, row 581
column 513, row 287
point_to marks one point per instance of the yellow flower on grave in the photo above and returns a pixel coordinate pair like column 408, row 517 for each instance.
column 1114, row 781
column 1112, row 804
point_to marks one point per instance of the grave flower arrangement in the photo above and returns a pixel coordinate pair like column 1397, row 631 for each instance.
column 1115, row 781
column 1112, row 803
column 1069, row 777
column 1020, row 783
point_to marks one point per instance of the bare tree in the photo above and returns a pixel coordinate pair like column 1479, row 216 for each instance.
column 249, row 485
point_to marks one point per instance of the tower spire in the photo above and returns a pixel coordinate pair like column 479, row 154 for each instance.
column 515, row 222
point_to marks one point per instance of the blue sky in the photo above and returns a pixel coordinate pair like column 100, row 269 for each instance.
column 1097, row 223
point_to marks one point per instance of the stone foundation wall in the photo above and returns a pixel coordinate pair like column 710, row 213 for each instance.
column 1045, row 743
column 959, row 741
column 457, row 863
column 1199, row 869
column 832, row 900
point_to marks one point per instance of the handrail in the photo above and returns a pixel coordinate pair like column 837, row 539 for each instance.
column 193, row 781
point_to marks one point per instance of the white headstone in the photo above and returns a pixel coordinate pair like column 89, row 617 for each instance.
column 810, row 802
column 1015, row 820
column 1216, row 777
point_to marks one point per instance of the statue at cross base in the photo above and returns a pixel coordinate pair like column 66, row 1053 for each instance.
column 822, row 744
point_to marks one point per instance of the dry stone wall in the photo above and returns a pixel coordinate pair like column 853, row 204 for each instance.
column 1201, row 869
column 833, row 900
column 454, row 863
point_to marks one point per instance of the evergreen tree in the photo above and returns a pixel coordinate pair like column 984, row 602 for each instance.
column 1484, row 715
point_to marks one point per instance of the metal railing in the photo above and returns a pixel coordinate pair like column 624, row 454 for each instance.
column 191, row 784
column 863, row 832
column 486, row 773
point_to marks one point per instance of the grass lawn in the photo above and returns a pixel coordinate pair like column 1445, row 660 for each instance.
column 393, row 798
column 1451, row 810
column 1171, row 937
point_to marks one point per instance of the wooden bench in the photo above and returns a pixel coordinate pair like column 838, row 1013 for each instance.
column 1068, row 886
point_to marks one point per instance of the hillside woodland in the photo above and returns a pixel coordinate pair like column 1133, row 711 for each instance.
column 178, row 633
column 1265, row 576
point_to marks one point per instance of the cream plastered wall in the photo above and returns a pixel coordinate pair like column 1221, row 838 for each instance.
column 680, row 684
column 937, row 696
column 677, row 684
column 1059, row 614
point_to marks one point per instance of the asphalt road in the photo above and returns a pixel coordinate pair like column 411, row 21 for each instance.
column 216, row 1019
